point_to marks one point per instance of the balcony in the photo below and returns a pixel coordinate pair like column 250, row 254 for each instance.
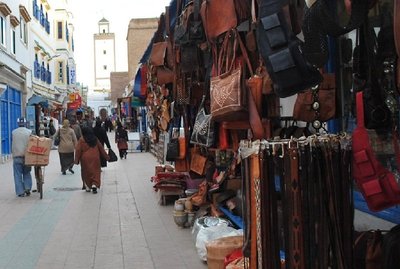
column 36, row 69
column 48, row 77
column 43, row 74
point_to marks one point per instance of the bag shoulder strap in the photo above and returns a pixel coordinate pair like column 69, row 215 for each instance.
column 360, row 110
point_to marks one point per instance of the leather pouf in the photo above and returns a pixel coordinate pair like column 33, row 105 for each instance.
column 219, row 248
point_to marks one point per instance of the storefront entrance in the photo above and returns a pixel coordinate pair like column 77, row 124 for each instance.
column 10, row 111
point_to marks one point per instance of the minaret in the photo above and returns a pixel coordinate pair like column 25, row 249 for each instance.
column 104, row 63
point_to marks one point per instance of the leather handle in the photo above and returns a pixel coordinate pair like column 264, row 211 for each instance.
column 360, row 110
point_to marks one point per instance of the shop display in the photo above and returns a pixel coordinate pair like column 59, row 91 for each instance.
column 279, row 171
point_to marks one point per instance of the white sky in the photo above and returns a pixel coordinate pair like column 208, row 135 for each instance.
column 87, row 14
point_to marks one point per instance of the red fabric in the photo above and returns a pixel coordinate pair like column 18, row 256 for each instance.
column 377, row 184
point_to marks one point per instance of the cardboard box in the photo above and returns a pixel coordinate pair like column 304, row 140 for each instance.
column 38, row 151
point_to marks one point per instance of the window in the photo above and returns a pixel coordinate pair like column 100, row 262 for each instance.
column 23, row 31
column 104, row 52
column 13, row 41
column 60, row 72
column 59, row 30
column 3, row 31
column 105, row 67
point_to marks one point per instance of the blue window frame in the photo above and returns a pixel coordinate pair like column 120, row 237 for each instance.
column 10, row 108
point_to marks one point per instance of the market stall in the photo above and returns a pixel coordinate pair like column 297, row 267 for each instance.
column 260, row 124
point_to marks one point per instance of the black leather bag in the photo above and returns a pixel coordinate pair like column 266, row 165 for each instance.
column 281, row 51
column 112, row 155
column 172, row 150
column 203, row 129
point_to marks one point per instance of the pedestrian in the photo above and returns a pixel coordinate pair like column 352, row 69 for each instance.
column 66, row 147
column 109, row 125
column 88, row 153
column 121, row 138
column 52, row 129
column 77, row 129
column 22, row 173
column 101, row 134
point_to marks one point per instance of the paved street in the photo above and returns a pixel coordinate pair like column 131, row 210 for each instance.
column 120, row 227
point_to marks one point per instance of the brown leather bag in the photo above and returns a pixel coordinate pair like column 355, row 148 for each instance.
column 227, row 89
column 157, row 54
column 197, row 162
column 164, row 75
column 317, row 104
column 218, row 16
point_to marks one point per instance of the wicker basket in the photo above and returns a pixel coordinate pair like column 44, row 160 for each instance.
column 219, row 248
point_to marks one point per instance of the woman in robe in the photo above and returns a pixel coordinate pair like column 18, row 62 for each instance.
column 66, row 147
column 87, row 153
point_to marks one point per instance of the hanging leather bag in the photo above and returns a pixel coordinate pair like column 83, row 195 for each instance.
column 376, row 183
column 281, row 51
column 172, row 150
column 203, row 129
column 197, row 161
column 218, row 16
column 317, row 103
column 157, row 54
column 189, row 27
column 228, row 94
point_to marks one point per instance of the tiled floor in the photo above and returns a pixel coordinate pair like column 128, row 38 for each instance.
column 123, row 226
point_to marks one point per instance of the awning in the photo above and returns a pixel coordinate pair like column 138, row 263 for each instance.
column 38, row 100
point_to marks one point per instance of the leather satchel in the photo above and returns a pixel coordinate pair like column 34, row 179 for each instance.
column 227, row 89
column 189, row 27
column 376, row 183
column 164, row 75
column 219, row 16
column 203, row 129
column 172, row 150
column 198, row 162
column 157, row 55
column 281, row 51
column 317, row 103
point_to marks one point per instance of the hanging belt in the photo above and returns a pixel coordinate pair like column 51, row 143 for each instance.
column 296, row 223
column 269, row 214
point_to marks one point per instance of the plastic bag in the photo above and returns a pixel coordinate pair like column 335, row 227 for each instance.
column 207, row 234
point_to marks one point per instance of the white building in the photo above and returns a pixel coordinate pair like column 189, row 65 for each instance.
column 104, row 63
column 15, row 74
column 37, row 68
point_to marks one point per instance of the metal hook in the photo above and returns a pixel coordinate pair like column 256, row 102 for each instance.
column 283, row 151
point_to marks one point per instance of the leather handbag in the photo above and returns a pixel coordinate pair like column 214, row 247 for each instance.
column 164, row 75
column 376, row 183
column 122, row 143
column 317, row 103
column 218, row 16
column 172, row 150
column 203, row 129
column 281, row 51
column 189, row 27
column 157, row 55
column 198, row 161
column 113, row 157
column 227, row 88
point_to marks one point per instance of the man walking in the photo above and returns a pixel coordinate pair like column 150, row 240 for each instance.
column 22, row 173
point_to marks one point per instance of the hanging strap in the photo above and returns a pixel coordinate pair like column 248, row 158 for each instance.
column 396, row 28
column 360, row 110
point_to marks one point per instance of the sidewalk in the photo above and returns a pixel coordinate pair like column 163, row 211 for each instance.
column 120, row 227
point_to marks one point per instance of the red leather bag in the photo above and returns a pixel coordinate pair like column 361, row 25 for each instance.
column 377, row 184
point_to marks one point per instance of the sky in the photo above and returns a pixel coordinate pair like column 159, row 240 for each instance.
column 87, row 14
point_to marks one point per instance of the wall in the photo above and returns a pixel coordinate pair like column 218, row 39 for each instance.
column 119, row 80
column 140, row 32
